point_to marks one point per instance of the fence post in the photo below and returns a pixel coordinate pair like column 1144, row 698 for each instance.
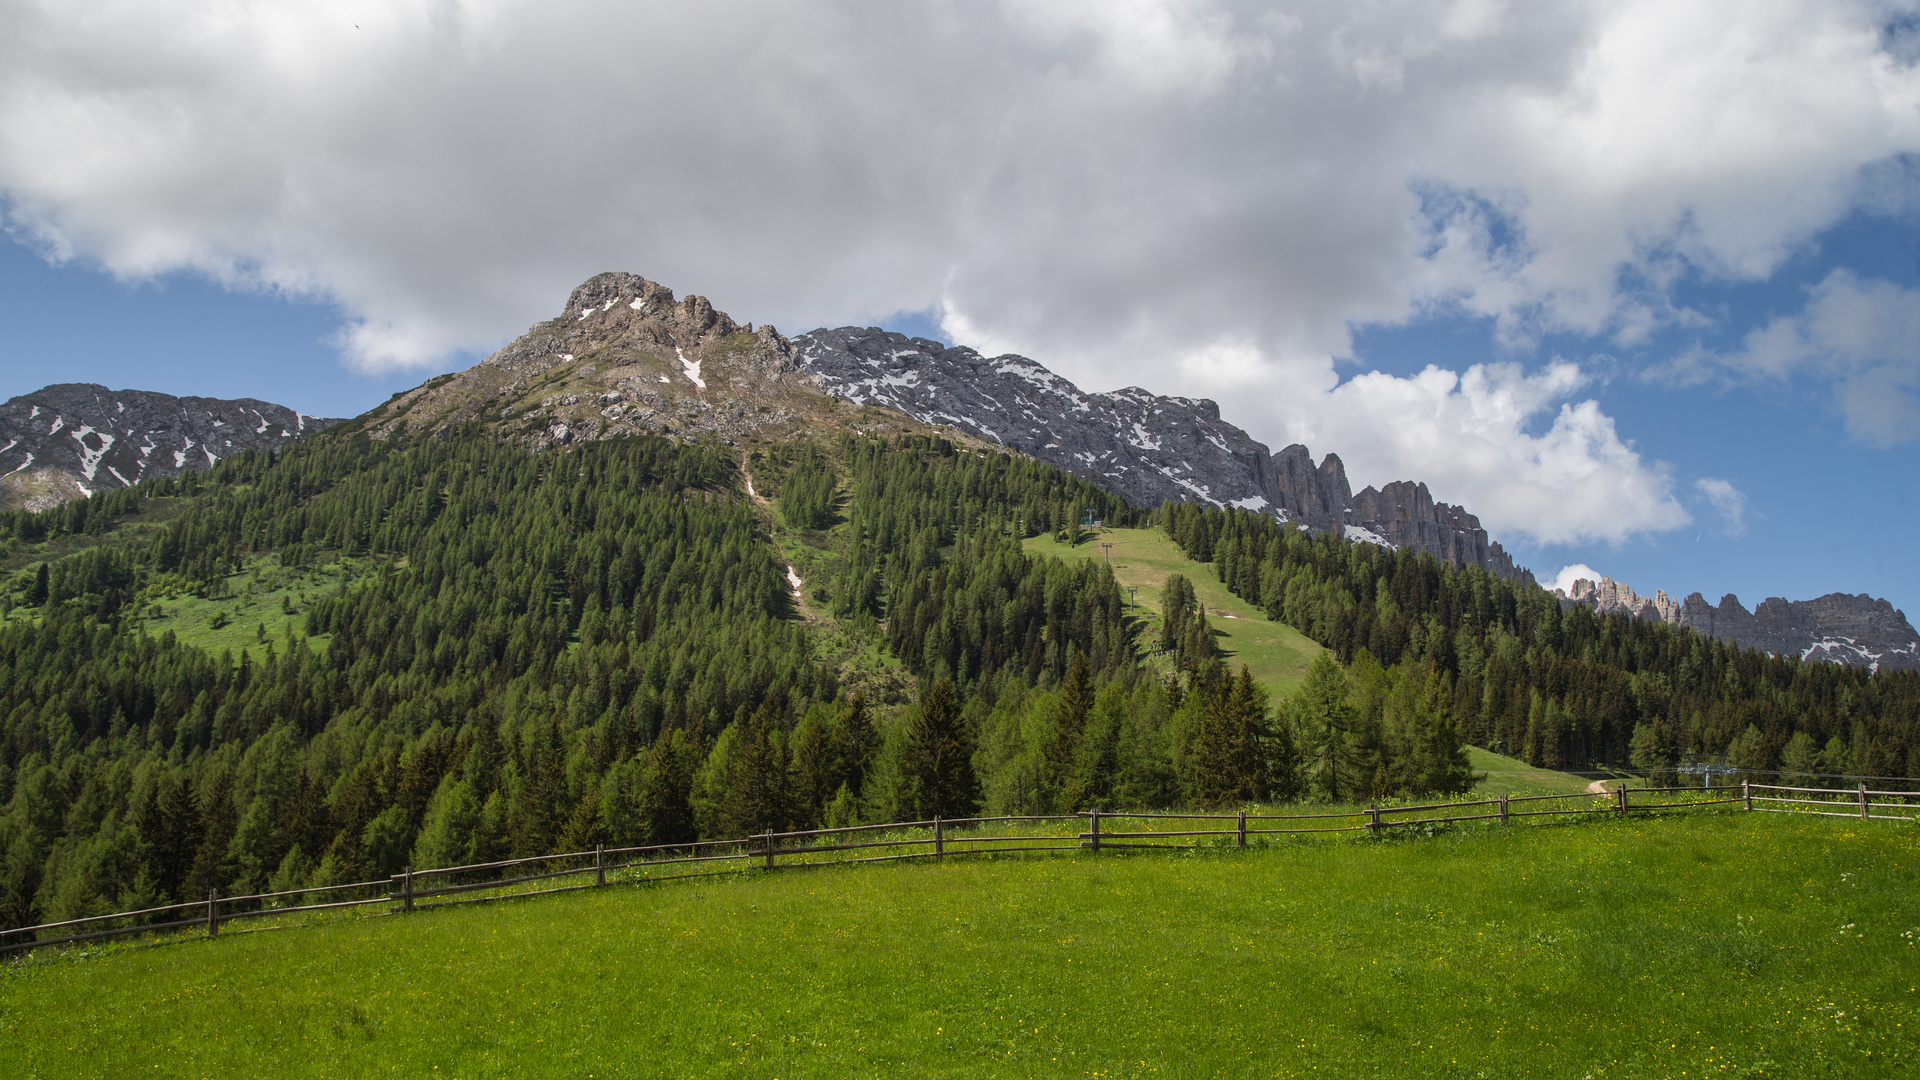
column 939, row 839
column 1503, row 809
column 213, row 912
column 600, row 864
column 1621, row 792
column 1863, row 799
column 1746, row 794
column 1240, row 829
column 1096, row 829
column 1373, row 819
column 768, row 837
column 408, row 877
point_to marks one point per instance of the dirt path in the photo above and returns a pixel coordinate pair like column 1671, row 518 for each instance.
column 1598, row 787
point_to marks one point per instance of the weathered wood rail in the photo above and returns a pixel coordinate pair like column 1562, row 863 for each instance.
column 936, row 838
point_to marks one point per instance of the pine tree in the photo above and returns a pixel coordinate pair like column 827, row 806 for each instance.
column 940, row 757
column 816, row 773
column 1069, row 720
column 758, row 799
column 858, row 743
column 221, row 819
column 1230, row 756
column 1325, row 727
column 541, row 810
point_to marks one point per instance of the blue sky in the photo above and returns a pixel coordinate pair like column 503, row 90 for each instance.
column 1638, row 283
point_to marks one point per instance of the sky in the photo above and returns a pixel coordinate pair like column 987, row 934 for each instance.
column 1638, row 283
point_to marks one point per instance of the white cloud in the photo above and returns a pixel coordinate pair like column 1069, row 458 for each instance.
column 1860, row 338
column 1521, row 450
column 1569, row 574
column 1122, row 189
column 1729, row 501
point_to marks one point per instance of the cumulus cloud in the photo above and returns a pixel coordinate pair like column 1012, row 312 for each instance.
column 1522, row 450
column 1569, row 574
column 1125, row 189
column 1729, row 501
column 1860, row 337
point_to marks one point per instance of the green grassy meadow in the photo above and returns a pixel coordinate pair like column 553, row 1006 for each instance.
column 1511, row 776
column 1708, row 944
column 1276, row 654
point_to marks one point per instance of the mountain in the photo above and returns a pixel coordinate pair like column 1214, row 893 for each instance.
column 69, row 440
column 1846, row 629
column 625, row 357
column 1146, row 447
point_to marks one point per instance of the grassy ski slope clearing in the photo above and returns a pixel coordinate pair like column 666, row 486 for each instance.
column 1277, row 654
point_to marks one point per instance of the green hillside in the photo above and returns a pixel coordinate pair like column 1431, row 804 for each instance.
column 442, row 647
column 1711, row 944
column 1142, row 558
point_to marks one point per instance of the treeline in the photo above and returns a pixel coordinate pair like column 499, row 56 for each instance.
column 1560, row 688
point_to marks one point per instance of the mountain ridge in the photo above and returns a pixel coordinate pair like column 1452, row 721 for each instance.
column 1144, row 446
column 1845, row 628
column 68, row 440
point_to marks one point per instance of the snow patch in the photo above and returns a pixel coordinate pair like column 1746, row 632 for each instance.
column 9, row 446
column 1365, row 536
column 262, row 429
column 566, row 356
column 58, row 423
column 638, row 304
column 1251, row 502
column 691, row 368
column 1143, row 438
column 23, row 465
column 117, row 476
column 90, row 457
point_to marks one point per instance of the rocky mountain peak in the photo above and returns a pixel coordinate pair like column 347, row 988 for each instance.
column 1143, row 446
column 1845, row 629
column 624, row 356
column 69, row 440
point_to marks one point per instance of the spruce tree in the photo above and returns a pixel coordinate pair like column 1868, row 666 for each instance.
column 1069, row 720
column 540, row 811
column 858, row 743
column 758, row 799
column 940, row 757
column 1230, row 756
column 665, row 812
column 1326, row 719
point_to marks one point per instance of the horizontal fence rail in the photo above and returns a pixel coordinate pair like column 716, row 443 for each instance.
column 937, row 838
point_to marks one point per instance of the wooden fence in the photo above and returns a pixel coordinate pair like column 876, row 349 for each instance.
column 1092, row 831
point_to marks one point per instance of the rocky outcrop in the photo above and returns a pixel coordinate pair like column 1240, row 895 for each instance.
column 69, row 440
column 625, row 357
column 1142, row 446
column 1857, row 629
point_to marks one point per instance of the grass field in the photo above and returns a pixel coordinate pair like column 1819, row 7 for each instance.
column 1277, row 654
column 1511, row 776
column 1706, row 945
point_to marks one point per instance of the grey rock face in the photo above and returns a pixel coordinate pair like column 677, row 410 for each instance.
column 1845, row 629
column 1142, row 446
column 71, row 439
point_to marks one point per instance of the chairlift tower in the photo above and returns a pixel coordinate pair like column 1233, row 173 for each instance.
column 1706, row 766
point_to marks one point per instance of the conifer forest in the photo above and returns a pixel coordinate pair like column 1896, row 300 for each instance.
column 488, row 653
